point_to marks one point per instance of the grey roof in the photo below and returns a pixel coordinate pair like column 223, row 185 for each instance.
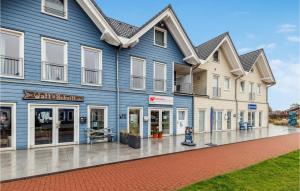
column 205, row 49
column 249, row 59
column 121, row 28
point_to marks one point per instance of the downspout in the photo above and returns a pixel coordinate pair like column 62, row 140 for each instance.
column 118, row 93
column 236, row 103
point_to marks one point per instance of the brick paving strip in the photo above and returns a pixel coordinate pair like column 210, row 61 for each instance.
column 167, row 172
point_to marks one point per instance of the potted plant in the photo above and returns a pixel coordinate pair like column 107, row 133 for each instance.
column 155, row 132
column 124, row 137
column 160, row 134
column 134, row 139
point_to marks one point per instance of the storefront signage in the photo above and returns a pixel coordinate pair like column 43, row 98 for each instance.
column 33, row 95
column 160, row 100
column 252, row 106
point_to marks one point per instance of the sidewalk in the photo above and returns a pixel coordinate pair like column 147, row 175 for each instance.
column 166, row 172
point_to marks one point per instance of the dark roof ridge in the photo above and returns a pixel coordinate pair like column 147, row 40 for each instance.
column 260, row 50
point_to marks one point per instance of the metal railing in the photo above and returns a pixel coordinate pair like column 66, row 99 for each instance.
column 54, row 11
column 159, row 85
column 184, row 88
column 10, row 66
column 137, row 82
column 54, row 71
column 202, row 91
column 216, row 92
column 91, row 76
column 251, row 96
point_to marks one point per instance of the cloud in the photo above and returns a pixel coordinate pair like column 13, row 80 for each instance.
column 294, row 39
column 286, row 28
column 269, row 46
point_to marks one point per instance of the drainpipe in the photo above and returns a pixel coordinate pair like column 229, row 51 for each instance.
column 236, row 102
column 267, row 99
column 118, row 92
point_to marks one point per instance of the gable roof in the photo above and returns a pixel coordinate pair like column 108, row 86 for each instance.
column 249, row 59
column 206, row 49
column 122, row 29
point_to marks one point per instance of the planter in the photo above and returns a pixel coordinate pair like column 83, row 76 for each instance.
column 124, row 138
column 134, row 141
column 155, row 135
column 160, row 135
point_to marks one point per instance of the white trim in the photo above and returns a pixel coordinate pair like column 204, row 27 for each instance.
column 99, row 51
column 165, row 76
column 165, row 36
column 52, row 14
column 186, row 117
column 13, row 125
column 89, row 107
column 44, row 40
column 54, row 107
column 141, row 119
column 144, row 72
column 21, row 51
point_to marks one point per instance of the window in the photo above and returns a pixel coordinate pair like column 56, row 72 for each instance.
column 226, row 83
column 217, row 120
column 138, row 73
column 7, row 126
column 160, row 37
column 260, row 119
column 56, row 8
column 91, row 63
column 11, row 53
column 242, row 119
column 54, row 60
column 215, row 86
column 216, row 56
column 259, row 89
column 242, row 86
column 160, row 77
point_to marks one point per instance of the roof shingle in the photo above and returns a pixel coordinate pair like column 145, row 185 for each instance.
column 121, row 28
column 249, row 59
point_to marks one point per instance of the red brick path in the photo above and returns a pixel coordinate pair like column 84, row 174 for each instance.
column 167, row 172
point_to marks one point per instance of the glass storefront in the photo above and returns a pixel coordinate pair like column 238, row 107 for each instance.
column 6, row 126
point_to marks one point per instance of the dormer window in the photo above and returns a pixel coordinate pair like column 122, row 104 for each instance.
column 216, row 56
column 56, row 8
column 160, row 37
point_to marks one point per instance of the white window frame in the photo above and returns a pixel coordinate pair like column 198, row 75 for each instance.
column 141, row 119
column 21, row 51
column 13, row 125
column 144, row 72
column 65, row 10
column 165, row 76
column 225, row 88
column 165, row 37
column 258, row 89
column 99, row 51
column 241, row 89
column 213, row 56
column 43, row 58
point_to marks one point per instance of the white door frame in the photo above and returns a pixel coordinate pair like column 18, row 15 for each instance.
column 222, row 126
column 186, row 117
column 13, row 125
column 160, row 110
column 141, row 119
column 55, row 108
column 89, row 107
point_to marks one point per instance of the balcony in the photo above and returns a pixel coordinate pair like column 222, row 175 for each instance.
column 10, row 67
column 182, row 79
column 216, row 92
column 183, row 88
column 251, row 96
column 54, row 71
column 91, row 76
column 200, row 82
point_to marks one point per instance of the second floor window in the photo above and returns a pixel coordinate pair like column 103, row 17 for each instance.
column 215, row 86
column 55, row 7
column 160, row 37
column 54, row 60
column 258, row 89
column 216, row 56
column 160, row 77
column 242, row 86
column 11, row 53
column 226, row 83
column 91, row 66
column 138, row 73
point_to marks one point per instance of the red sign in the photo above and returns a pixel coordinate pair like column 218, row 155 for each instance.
column 160, row 100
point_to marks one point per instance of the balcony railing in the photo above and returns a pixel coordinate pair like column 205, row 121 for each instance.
column 10, row 66
column 54, row 71
column 216, row 92
column 201, row 91
column 251, row 96
column 54, row 11
column 137, row 82
column 91, row 76
column 159, row 85
column 184, row 88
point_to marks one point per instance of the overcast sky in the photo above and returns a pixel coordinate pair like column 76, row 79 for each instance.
column 252, row 24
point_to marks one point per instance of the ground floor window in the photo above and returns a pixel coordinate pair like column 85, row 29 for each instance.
column 217, row 120
column 201, row 120
column 7, row 126
column 242, row 116
column 260, row 119
column 135, row 120
column 229, row 118
column 251, row 118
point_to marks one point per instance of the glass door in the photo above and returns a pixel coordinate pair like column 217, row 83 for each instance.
column 228, row 119
column 135, row 121
column 251, row 118
column 166, row 122
column 6, row 128
column 217, row 120
column 43, row 128
column 201, row 120
column 97, row 121
column 160, row 120
column 155, row 121
column 66, row 125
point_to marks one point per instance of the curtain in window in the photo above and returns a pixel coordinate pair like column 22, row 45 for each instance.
column 92, row 67
column 138, row 73
column 54, row 63
column 159, row 38
column 55, row 6
column 159, row 77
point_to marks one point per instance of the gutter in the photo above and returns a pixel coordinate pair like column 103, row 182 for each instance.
column 118, row 92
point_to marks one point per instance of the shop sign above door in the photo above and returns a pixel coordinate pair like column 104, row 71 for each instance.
column 160, row 100
column 34, row 95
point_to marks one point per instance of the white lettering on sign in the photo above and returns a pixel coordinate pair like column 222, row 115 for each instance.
column 160, row 100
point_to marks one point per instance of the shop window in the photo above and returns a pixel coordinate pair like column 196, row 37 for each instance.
column 6, row 127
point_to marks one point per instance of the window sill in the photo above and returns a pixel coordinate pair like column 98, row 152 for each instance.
column 226, row 90
column 54, row 81
column 94, row 85
column 138, row 89
column 12, row 77
column 160, row 45
column 53, row 15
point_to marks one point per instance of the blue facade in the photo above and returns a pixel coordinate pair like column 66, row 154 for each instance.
column 78, row 30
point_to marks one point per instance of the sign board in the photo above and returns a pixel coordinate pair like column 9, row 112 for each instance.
column 33, row 95
column 251, row 106
column 160, row 100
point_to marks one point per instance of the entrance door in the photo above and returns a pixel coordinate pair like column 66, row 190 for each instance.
column 160, row 120
column 182, row 120
column 98, row 120
column 201, row 120
column 135, row 122
column 251, row 118
column 217, row 120
column 53, row 125
column 7, row 126
column 229, row 119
